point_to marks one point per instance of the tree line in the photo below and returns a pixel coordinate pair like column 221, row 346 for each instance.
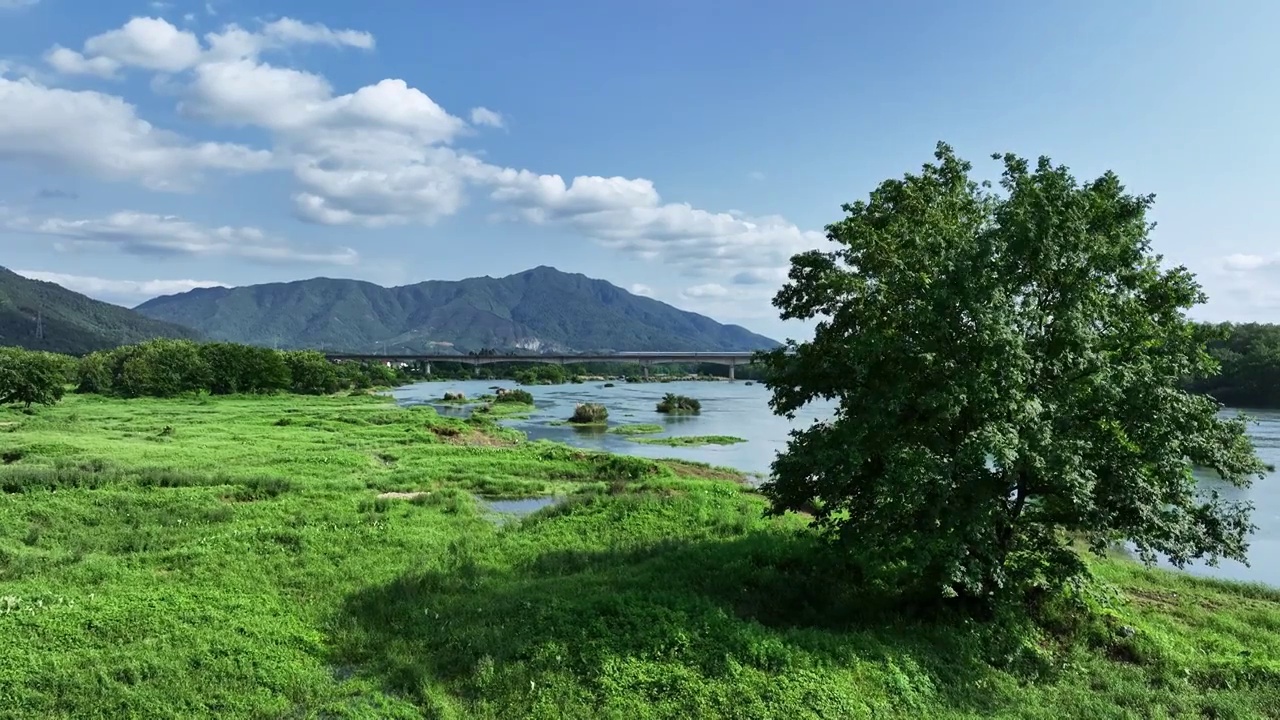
column 168, row 368
column 1248, row 356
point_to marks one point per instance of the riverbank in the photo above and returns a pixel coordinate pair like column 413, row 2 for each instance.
column 231, row 557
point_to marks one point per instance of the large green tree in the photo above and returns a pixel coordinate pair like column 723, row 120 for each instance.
column 30, row 377
column 1008, row 366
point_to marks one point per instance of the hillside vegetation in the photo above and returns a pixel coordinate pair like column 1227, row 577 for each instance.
column 72, row 323
column 539, row 309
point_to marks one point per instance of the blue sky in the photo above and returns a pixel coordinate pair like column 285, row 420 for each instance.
column 682, row 149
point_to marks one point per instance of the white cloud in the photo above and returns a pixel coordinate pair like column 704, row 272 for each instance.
column 756, row 175
column 102, row 135
column 707, row 290
column 15, row 4
column 1241, row 262
column 641, row 289
column 100, row 287
column 159, row 235
column 152, row 43
column 70, row 62
column 485, row 116
column 147, row 43
column 287, row 31
column 383, row 154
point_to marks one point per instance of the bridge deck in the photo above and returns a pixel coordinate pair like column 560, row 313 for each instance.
column 544, row 358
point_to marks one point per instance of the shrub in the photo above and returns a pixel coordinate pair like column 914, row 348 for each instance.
column 159, row 368
column 515, row 396
column 590, row 414
column 672, row 403
column 93, row 373
column 312, row 373
column 28, row 377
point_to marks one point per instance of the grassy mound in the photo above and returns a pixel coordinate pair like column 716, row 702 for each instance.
column 589, row 414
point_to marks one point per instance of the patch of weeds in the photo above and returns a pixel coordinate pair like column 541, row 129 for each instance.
column 261, row 488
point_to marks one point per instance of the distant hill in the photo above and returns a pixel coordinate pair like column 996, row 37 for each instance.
column 71, row 322
column 539, row 310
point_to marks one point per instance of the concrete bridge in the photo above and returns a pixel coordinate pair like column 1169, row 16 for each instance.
column 644, row 359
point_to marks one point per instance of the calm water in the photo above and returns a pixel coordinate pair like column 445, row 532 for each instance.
column 742, row 410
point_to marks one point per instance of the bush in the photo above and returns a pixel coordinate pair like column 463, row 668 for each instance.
column 244, row 369
column 159, row 368
column 93, row 373
column 312, row 373
column 515, row 396
column 542, row 375
column 672, row 403
column 590, row 414
column 28, row 377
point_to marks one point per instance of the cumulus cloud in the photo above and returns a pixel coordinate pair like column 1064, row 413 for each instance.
column 485, row 116
column 641, row 289
column 384, row 153
column 159, row 235
column 102, row 135
column 103, row 287
column 706, row 290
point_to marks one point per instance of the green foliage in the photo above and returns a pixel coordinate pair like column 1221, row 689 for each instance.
column 478, row 314
column 167, row 368
column 43, row 316
column 542, row 375
column 589, row 414
column 95, row 372
column 311, row 373
column 1009, row 373
column 30, row 377
column 522, row 397
column 1249, row 358
column 674, row 404
column 244, row 369
column 159, row 368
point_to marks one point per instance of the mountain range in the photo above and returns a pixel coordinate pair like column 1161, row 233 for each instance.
column 538, row 310
column 46, row 316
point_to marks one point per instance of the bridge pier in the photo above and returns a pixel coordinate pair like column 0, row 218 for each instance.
column 644, row 367
column 732, row 364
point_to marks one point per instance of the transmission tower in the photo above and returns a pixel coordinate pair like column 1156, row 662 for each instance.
column 39, row 325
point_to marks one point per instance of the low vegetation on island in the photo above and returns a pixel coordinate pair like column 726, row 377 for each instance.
column 637, row 429
column 679, row 404
column 689, row 440
column 186, row 537
column 589, row 414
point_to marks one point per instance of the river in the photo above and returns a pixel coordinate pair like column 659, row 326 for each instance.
column 742, row 410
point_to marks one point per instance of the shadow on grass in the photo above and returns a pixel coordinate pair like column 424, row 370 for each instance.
column 753, row 623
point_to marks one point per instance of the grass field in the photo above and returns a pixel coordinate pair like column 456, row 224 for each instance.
column 232, row 558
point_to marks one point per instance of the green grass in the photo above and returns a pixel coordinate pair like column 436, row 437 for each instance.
column 637, row 429
column 690, row 440
column 242, row 564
